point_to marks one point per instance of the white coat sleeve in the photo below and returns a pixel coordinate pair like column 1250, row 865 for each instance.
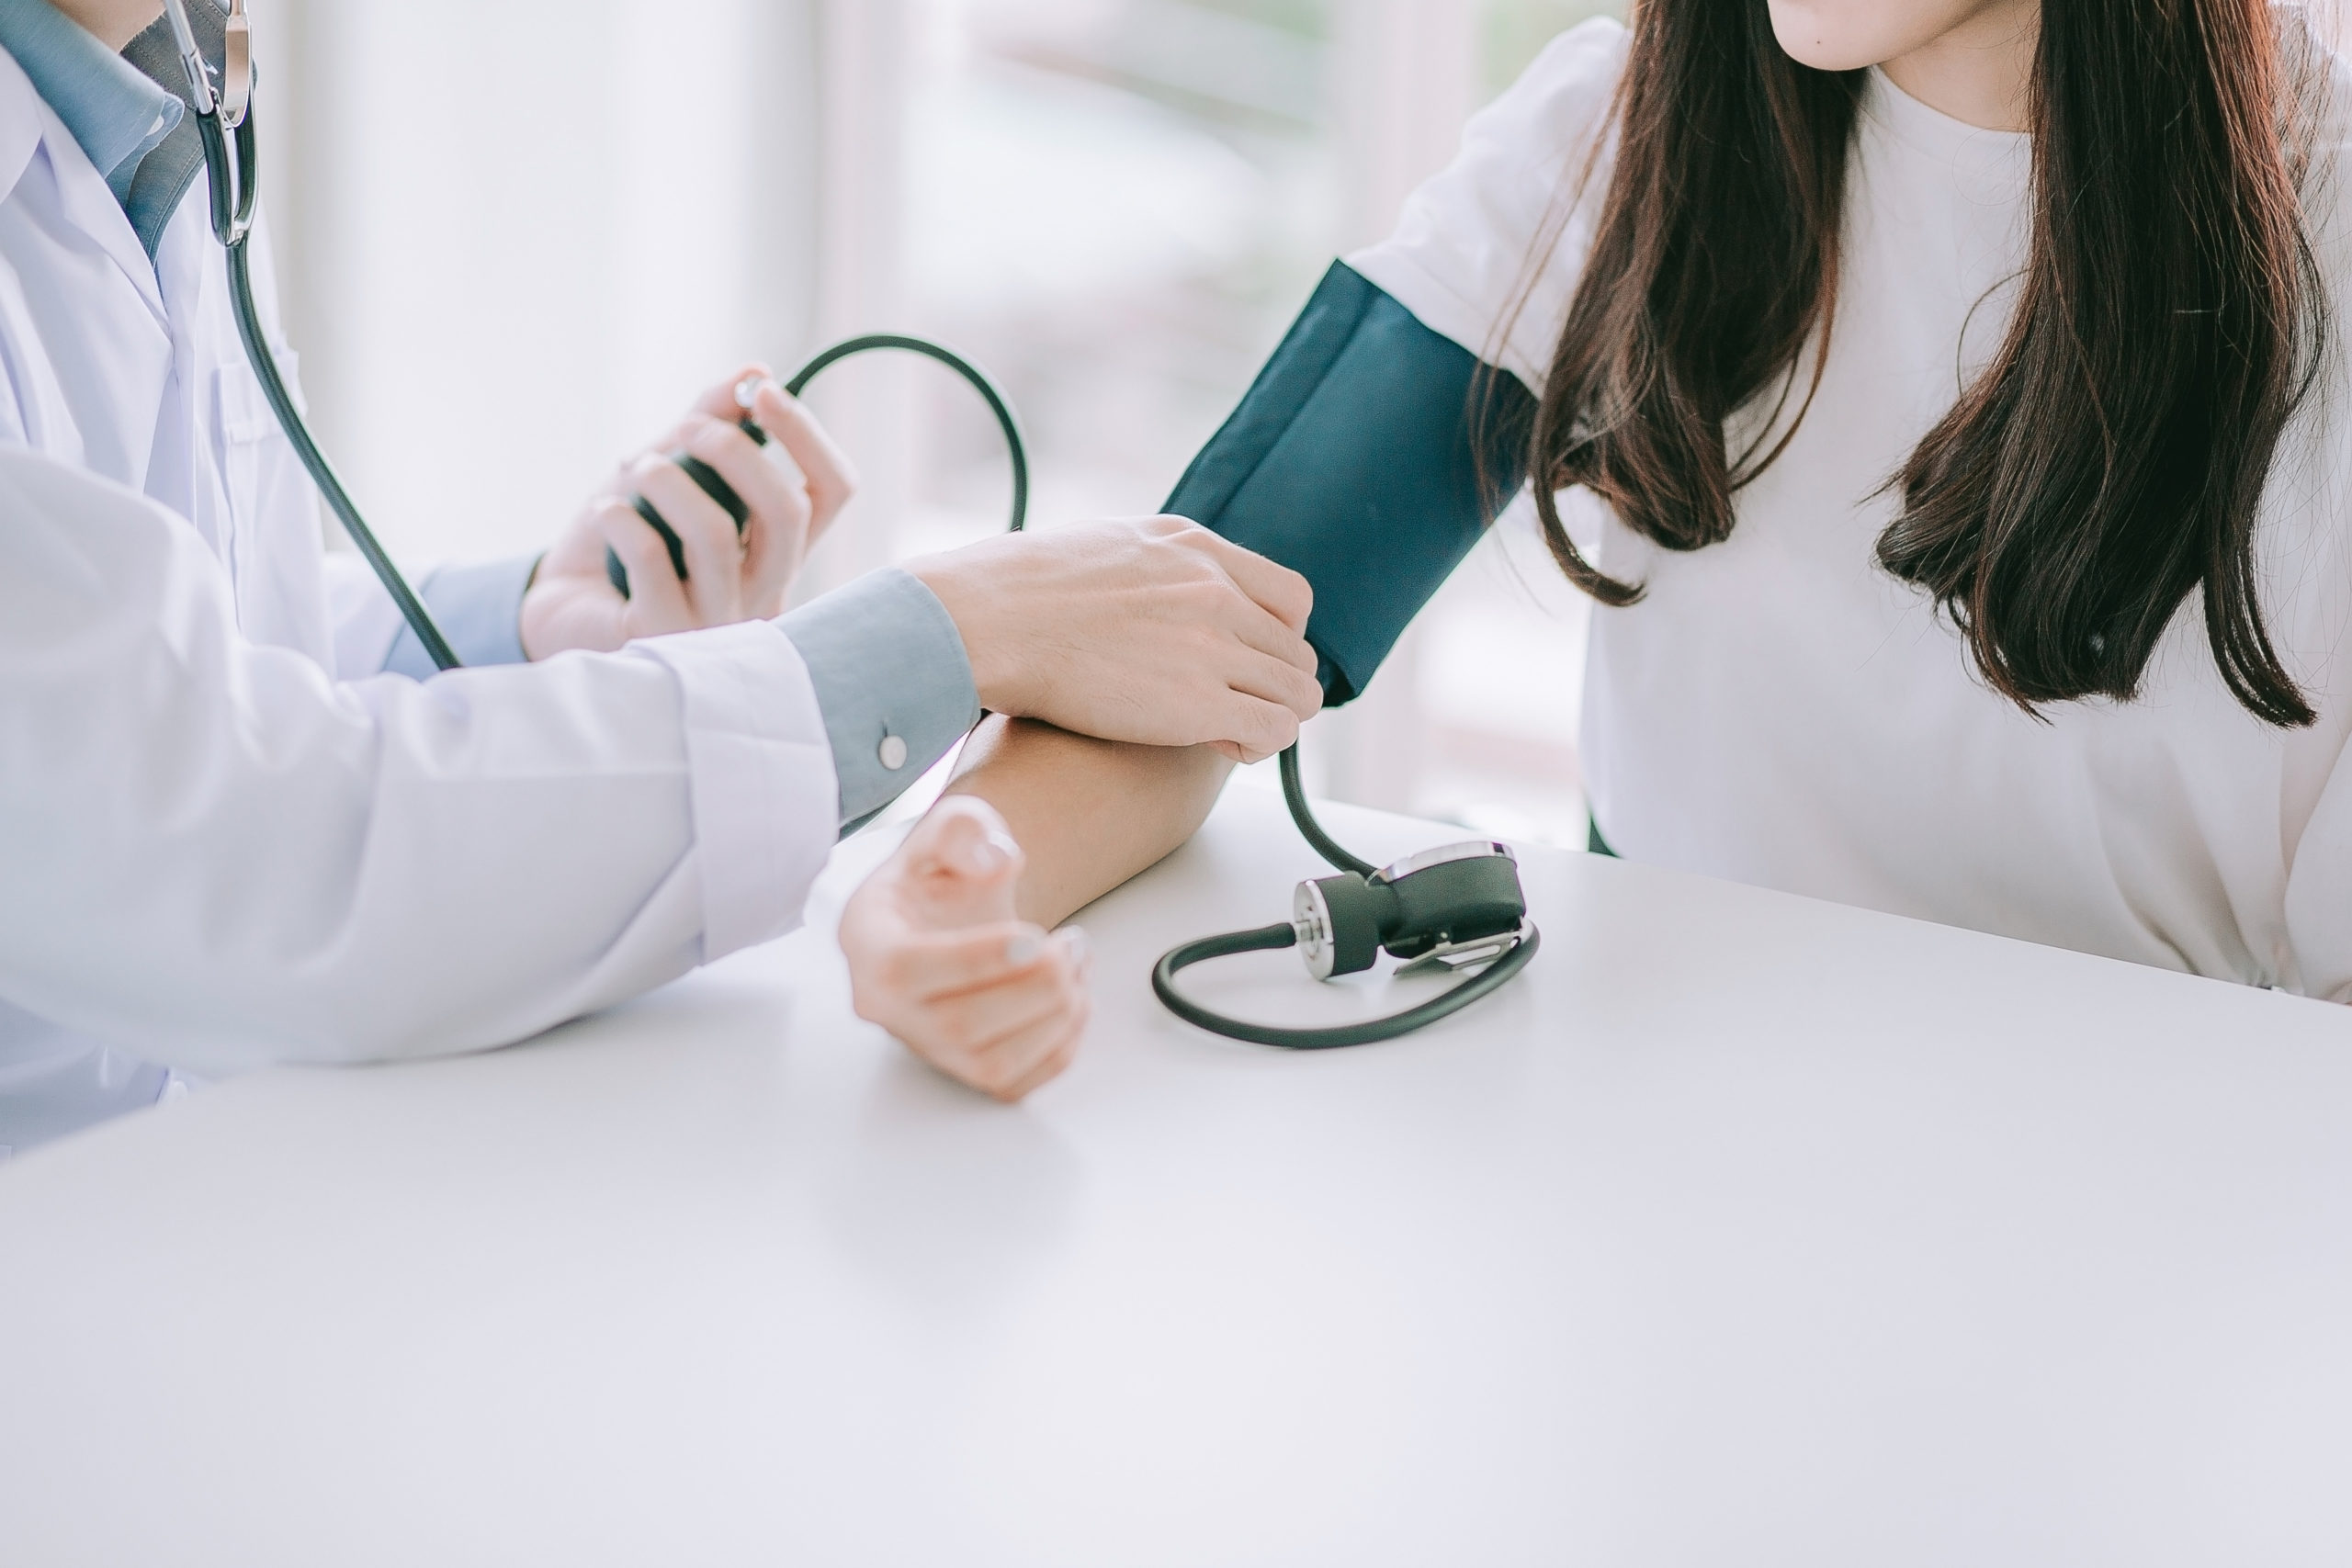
column 215, row 850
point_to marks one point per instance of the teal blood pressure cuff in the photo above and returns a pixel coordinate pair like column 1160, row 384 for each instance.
column 1354, row 461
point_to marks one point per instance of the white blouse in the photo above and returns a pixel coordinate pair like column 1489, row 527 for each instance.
column 1779, row 710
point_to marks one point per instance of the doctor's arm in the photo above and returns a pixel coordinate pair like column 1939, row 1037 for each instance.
column 219, row 855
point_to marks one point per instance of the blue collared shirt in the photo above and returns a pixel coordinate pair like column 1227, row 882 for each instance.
column 117, row 111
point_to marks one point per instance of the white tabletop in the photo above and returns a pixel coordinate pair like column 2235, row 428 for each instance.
column 1744, row 1230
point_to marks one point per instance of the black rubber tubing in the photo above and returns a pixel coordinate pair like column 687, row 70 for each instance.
column 1266, row 939
column 719, row 491
column 232, row 208
column 323, row 474
column 1295, row 795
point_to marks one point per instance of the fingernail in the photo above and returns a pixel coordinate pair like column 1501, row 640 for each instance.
column 1023, row 948
column 990, row 853
column 1079, row 949
column 984, row 856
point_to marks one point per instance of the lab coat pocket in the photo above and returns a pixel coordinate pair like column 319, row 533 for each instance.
column 250, row 443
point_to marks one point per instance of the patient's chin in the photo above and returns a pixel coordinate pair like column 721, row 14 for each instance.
column 1841, row 35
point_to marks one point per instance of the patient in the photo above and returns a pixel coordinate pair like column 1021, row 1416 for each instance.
column 1959, row 435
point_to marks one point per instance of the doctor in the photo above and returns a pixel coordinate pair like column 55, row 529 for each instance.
column 234, row 832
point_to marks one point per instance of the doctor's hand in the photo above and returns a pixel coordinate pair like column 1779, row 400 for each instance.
column 1154, row 631
column 795, row 487
column 937, row 957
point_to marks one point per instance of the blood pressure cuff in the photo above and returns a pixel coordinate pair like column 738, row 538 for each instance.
column 1354, row 461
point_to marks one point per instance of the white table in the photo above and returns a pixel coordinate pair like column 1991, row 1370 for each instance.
column 1745, row 1230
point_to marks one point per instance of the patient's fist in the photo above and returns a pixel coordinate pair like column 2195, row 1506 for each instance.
column 937, row 956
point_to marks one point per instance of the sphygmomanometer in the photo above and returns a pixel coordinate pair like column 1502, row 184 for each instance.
column 1369, row 456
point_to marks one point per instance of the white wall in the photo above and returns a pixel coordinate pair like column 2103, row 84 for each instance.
column 515, row 257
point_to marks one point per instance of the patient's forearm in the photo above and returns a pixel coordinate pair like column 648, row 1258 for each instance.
column 1089, row 813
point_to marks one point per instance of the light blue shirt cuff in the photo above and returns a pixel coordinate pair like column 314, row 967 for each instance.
column 891, row 680
column 477, row 608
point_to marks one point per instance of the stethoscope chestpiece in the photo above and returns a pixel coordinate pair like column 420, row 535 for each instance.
column 1459, row 899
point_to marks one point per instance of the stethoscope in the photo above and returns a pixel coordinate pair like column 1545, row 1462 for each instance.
column 1458, row 909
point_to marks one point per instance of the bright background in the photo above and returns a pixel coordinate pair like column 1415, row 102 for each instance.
column 516, row 248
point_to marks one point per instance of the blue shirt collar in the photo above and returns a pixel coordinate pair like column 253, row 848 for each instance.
column 113, row 109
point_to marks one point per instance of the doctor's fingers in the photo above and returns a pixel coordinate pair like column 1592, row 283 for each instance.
column 1255, row 627
column 1249, row 729
column 718, row 402
column 768, row 479
column 1285, row 594
column 1254, row 674
column 831, row 478
column 656, row 601
column 714, row 551
column 772, row 488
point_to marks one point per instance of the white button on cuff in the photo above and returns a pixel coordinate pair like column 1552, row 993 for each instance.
column 892, row 753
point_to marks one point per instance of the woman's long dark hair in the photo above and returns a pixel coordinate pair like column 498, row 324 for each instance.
column 2110, row 459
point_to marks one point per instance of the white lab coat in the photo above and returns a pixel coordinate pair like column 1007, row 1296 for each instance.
column 215, row 855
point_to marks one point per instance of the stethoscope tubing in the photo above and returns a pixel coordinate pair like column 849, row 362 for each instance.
column 229, row 170
column 1015, row 445
column 232, row 211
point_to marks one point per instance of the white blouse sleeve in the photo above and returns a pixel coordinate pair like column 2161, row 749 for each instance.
column 213, row 849
column 1465, row 250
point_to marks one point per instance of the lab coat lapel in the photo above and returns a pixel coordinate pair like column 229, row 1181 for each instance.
column 93, row 208
column 105, row 379
column 19, row 122
column 26, row 122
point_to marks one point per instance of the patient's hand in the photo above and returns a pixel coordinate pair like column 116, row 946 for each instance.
column 795, row 487
column 938, row 958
